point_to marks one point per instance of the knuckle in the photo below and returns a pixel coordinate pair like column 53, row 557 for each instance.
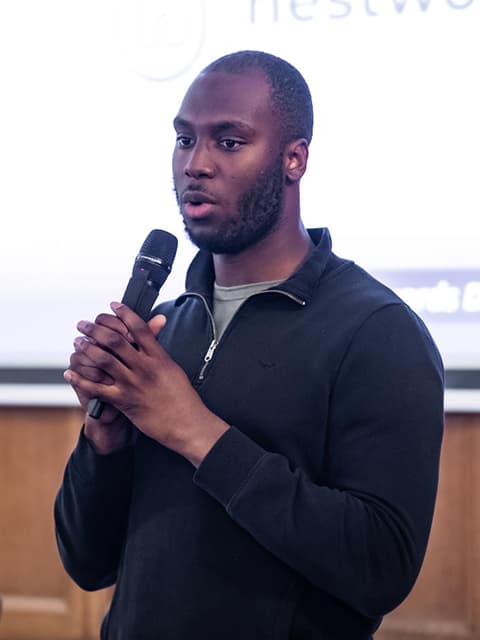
column 104, row 360
column 111, row 322
column 93, row 374
column 115, row 341
column 77, row 360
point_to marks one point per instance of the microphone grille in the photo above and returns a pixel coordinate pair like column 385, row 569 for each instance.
column 160, row 244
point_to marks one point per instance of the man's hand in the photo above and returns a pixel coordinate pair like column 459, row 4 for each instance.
column 112, row 430
column 120, row 362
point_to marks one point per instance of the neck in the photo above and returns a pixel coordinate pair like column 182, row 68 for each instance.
column 275, row 257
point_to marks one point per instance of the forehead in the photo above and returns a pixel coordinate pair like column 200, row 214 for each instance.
column 216, row 96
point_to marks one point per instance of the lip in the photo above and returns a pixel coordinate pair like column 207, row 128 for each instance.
column 196, row 198
column 197, row 211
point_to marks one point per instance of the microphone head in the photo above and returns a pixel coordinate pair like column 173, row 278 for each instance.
column 156, row 256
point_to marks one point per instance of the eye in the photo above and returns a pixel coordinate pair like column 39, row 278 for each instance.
column 184, row 142
column 231, row 145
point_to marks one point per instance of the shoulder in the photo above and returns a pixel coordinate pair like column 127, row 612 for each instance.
column 351, row 294
column 368, row 312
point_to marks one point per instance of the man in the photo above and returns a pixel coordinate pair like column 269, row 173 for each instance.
column 267, row 466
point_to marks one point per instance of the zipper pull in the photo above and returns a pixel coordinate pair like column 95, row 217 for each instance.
column 211, row 349
column 208, row 356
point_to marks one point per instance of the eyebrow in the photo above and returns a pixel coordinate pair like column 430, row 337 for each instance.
column 217, row 127
column 179, row 123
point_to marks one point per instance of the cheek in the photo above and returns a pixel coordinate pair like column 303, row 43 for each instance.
column 243, row 180
column 236, row 185
column 235, row 189
column 251, row 169
column 179, row 160
column 175, row 163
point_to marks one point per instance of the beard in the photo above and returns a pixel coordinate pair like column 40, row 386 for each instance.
column 258, row 214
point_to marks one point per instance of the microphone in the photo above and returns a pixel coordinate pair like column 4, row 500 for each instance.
column 151, row 268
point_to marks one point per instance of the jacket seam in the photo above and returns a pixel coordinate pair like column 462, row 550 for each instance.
column 244, row 482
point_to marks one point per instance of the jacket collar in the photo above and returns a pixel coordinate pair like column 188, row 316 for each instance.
column 301, row 284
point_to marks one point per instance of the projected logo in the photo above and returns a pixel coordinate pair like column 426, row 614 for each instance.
column 161, row 39
column 441, row 294
column 301, row 11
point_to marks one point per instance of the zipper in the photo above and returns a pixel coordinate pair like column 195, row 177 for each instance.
column 214, row 343
column 299, row 301
column 206, row 359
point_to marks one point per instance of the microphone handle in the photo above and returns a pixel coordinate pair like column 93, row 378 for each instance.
column 139, row 296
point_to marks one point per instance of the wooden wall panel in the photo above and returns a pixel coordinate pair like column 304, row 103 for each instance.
column 445, row 601
column 41, row 602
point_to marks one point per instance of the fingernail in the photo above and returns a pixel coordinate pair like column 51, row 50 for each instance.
column 115, row 305
column 67, row 375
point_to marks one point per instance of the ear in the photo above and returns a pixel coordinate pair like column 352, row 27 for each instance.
column 296, row 158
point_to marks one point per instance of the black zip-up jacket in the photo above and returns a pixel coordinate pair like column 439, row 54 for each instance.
column 309, row 518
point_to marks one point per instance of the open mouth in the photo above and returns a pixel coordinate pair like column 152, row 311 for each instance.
column 197, row 209
column 197, row 204
column 196, row 198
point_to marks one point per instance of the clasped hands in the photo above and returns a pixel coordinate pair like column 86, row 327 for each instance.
column 118, row 360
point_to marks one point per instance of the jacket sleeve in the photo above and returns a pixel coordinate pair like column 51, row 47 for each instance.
column 361, row 533
column 91, row 512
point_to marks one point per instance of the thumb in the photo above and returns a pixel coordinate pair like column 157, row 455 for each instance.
column 157, row 323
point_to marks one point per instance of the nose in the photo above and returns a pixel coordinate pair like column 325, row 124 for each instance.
column 199, row 162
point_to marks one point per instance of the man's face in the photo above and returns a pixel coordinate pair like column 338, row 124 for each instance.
column 227, row 165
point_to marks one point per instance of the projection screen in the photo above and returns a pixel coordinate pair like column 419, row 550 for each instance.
column 90, row 90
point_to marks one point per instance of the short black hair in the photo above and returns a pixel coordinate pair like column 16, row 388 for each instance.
column 290, row 95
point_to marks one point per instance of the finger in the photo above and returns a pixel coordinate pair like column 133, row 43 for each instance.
column 114, row 323
column 83, row 366
column 106, row 393
column 78, row 346
column 106, row 339
column 156, row 324
column 108, row 352
column 141, row 332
